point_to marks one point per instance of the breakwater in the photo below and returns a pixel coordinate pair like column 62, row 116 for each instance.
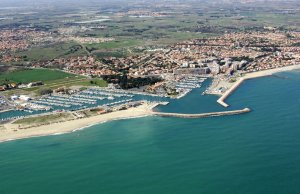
column 222, row 99
column 203, row 115
column 252, row 75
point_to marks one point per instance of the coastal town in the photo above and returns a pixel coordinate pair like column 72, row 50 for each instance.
column 223, row 58
column 149, row 96
column 227, row 54
column 173, row 71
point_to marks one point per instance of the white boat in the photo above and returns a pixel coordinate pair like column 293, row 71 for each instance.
column 110, row 98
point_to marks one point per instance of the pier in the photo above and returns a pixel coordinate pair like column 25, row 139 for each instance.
column 263, row 73
column 203, row 115
column 222, row 99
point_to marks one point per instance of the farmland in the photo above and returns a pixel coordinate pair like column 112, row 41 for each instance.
column 52, row 51
column 133, row 31
column 31, row 75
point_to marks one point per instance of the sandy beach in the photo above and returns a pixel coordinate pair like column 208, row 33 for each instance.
column 248, row 76
column 11, row 131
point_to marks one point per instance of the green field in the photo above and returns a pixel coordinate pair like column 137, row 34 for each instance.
column 31, row 75
column 113, row 44
column 53, row 51
column 54, row 84
column 69, row 82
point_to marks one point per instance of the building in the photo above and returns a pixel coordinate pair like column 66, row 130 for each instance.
column 14, row 97
column 24, row 98
column 2, row 88
column 32, row 84
column 195, row 71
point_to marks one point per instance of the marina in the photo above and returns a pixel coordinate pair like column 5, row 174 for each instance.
column 186, row 85
column 226, row 142
column 93, row 97
column 87, row 99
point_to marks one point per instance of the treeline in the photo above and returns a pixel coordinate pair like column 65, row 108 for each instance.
column 126, row 82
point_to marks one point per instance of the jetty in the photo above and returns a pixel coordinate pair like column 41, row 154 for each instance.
column 222, row 99
column 203, row 115
column 253, row 75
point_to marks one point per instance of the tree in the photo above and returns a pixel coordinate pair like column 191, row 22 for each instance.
column 46, row 91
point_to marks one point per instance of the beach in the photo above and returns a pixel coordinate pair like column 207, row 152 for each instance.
column 12, row 131
column 252, row 75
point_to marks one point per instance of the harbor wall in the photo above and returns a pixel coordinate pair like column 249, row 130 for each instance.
column 203, row 115
column 222, row 99
column 253, row 75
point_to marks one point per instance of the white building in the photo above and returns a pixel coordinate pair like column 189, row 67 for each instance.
column 24, row 98
column 14, row 97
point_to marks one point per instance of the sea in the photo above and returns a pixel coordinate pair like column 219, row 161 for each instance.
column 253, row 153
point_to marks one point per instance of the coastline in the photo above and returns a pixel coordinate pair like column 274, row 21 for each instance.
column 11, row 131
column 14, row 132
column 253, row 75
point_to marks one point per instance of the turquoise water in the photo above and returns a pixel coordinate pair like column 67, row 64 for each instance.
column 255, row 153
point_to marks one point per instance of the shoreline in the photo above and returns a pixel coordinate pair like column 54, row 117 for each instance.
column 253, row 75
column 70, row 131
column 11, row 131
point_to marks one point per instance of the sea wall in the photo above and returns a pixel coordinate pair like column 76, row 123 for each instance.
column 203, row 115
column 253, row 75
column 222, row 99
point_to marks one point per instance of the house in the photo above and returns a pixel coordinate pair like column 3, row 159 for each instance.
column 22, row 86
column 32, row 84
column 12, row 85
column 2, row 88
